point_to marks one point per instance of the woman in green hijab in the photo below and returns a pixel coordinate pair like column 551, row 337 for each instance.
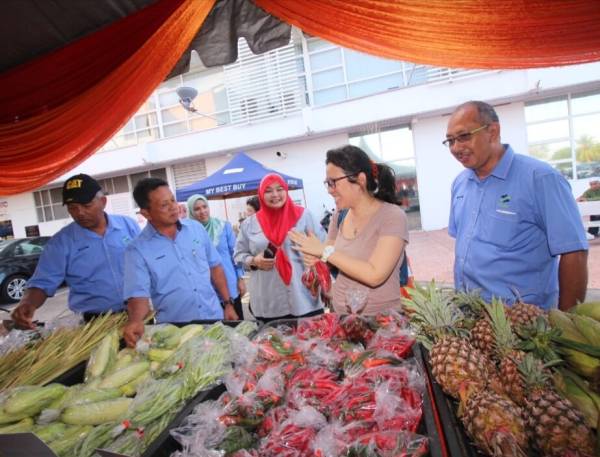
column 223, row 238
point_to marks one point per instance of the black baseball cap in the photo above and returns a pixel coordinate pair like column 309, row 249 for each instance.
column 80, row 188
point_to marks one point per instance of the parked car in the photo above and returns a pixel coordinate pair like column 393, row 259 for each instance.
column 18, row 259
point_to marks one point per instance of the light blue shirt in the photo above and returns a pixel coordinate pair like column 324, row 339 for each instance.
column 269, row 296
column 90, row 264
column 225, row 249
column 175, row 274
column 510, row 229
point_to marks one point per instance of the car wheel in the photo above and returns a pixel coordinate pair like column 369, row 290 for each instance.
column 14, row 288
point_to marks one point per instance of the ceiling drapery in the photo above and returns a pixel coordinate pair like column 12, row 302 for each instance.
column 58, row 109
column 75, row 99
column 484, row 34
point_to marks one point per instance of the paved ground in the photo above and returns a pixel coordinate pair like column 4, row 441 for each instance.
column 431, row 254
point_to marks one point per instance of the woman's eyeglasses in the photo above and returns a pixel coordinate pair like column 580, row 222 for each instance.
column 463, row 137
column 331, row 182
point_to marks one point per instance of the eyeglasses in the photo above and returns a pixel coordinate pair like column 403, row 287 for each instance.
column 463, row 137
column 331, row 182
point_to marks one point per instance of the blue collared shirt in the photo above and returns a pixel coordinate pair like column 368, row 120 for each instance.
column 90, row 264
column 510, row 229
column 225, row 249
column 175, row 274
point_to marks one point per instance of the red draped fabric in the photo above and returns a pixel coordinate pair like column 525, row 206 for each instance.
column 58, row 110
column 484, row 34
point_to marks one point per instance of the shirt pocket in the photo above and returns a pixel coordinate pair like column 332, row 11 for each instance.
column 500, row 227
column 83, row 259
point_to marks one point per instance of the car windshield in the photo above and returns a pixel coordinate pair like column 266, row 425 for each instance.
column 4, row 244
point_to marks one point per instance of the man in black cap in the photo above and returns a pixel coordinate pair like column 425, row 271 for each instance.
column 87, row 254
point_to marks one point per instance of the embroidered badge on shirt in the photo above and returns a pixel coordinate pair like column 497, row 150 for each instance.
column 503, row 205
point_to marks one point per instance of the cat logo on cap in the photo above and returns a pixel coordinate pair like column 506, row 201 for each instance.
column 74, row 184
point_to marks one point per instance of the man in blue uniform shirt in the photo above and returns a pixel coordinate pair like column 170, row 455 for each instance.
column 87, row 254
column 174, row 263
column 517, row 228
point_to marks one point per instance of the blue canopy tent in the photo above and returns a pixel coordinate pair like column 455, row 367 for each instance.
column 241, row 176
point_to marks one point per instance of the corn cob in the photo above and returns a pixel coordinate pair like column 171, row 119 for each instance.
column 588, row 327
column 589, row 309
column 125, row 375
column 582, row 363
column 31, row 400
column 23, row 426
column 50, row 432
column 103, row 356
column 190, row 331
column 93, row 395
column 563, row 321
column 581, row 396
column 130, row 389
column 6, row 418
column 96, row 413
column 159, row 355
column 166, row 337
column 123, row 360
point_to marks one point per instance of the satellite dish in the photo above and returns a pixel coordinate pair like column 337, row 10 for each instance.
column 186, row 97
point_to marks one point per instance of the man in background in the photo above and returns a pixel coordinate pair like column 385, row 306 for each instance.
column 591, row 195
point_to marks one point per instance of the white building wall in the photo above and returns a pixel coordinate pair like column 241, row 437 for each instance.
column 305, row 137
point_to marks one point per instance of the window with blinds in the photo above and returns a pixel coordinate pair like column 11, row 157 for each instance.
column 263, row 86
column 188, row 173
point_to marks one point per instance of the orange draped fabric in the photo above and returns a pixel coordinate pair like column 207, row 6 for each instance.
column 83, row 103
column 486, row 34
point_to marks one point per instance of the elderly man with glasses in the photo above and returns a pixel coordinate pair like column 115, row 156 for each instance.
column 517, row 228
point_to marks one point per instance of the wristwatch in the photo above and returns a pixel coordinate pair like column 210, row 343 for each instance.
column 327, row 252
column 224, row 303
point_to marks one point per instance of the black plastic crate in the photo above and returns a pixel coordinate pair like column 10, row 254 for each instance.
column 429, row 426
column 457, row 442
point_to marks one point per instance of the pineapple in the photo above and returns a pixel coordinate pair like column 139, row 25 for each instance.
column 494, row 422
column 455, row 362
column 482, row 336
column 486, row 411
column 475, row 319
column 523, row 314
column 555, row 426
column 471, row 306
column 506, row 352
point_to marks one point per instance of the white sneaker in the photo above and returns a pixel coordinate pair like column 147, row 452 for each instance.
column 589, row 236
